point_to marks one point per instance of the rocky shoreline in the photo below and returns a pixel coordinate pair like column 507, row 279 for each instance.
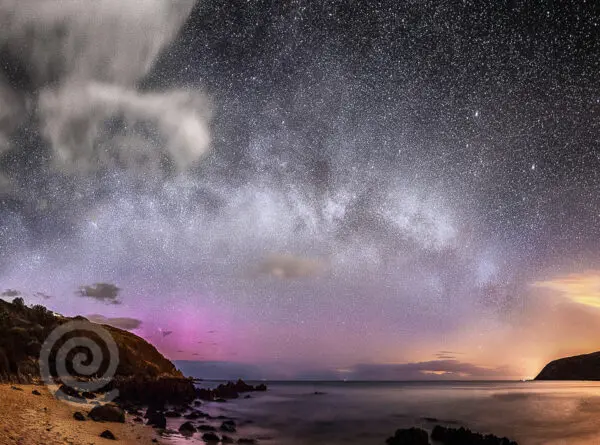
column 156, row 402
column 445, row 436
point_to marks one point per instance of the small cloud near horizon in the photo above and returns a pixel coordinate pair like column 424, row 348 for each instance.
column 124, row 323
column 447, row 368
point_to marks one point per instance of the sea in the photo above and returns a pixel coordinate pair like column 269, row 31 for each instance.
column 344, row 413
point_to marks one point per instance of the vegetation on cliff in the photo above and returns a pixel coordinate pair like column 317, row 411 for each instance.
column 24, row 329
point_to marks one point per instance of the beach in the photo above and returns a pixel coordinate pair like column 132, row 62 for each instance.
column 28, row 419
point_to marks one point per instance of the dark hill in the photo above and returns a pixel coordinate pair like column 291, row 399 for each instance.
column 578, row 367
column 143, row 372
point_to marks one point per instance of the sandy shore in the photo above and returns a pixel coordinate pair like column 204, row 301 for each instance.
column 27, row 419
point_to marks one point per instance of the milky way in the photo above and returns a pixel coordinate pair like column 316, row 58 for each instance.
column 323, row 185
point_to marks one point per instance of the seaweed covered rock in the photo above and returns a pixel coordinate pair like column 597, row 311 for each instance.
column 229, row 390
column 464, row 436
column 409, row 436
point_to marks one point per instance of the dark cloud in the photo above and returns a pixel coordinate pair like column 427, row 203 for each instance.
column 124, row 323
column 105, row 292
column 11, row 293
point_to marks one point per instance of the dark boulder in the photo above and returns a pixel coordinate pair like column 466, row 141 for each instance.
column 156, row 419
column 206, row 428
column 409, row 436
column 246, row 440
column 106, row 434
column 210, row 437
column 107, row 413
column 35, row 392
column 78, row 416
column 228, row 426
column 187, row 429
column 227, row 439
column 153, row 409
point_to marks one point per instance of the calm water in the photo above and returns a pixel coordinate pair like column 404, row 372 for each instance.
column 532, row 413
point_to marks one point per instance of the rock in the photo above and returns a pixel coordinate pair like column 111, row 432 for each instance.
column 197, row 403
column 65, row 392
column 153, row 409
column 16, row 388
column 228, row 390
column 108, row 435
column 246, row 440
column 195, row 414
column 210, row 437
column 227, row 439
column 410, row 436
column 35, row 392
column 78, row 416
column 206, row 428
column 228, row 426
column 463, row 436
column 172, row 414
column 107, row 413
column 138, row 420
column 157, row 420
column 187, row 429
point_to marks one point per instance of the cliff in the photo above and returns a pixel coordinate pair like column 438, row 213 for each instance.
column 578, row 367
column 142, row 374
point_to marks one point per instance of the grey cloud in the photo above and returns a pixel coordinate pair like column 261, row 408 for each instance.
column 105, row 292
column 125, row 323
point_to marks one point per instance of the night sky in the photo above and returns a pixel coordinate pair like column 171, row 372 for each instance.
column 335, row 189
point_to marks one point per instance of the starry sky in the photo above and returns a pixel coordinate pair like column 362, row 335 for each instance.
column 305, row 189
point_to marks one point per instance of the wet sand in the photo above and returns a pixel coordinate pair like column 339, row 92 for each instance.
column 27, row 419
